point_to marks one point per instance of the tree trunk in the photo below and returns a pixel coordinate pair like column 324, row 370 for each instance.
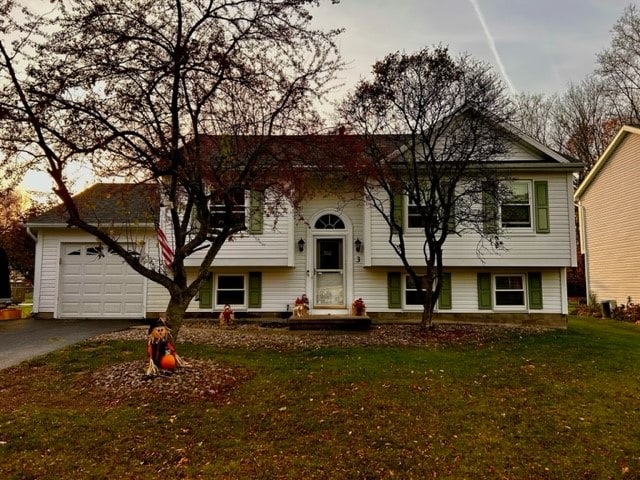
column 175, row 313
column 426, row 324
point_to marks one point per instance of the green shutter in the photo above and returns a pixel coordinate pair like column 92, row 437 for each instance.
column 206, row 292
column 444, row 301
column 394, row 286
column 398, row 210
column 535, row 290
column 484, row 291
column 256, row 213
column 542, row 206
column 255, row 289
column 452, row 218
column 490, row 213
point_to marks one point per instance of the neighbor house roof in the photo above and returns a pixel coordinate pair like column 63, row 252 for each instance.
column 604, row 158
column 106, row 204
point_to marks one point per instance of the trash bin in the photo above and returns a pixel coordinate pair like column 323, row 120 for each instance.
column 606, row 309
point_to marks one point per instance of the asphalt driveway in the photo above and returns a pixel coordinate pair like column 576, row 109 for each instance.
column 27, row 338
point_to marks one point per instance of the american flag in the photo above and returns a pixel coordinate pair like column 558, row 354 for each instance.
column 165, row 248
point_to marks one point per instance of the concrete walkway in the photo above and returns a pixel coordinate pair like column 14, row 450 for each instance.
column 27, row 338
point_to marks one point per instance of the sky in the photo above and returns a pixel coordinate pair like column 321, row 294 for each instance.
column 538, row 46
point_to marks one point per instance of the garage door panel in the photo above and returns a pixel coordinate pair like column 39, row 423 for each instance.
column 135, row 289
column 112, row 308
column 92, row 289
column 114, row 289
column 98, row 286
column 119, row 270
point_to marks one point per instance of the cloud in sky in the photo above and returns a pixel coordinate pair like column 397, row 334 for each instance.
column 492, row 46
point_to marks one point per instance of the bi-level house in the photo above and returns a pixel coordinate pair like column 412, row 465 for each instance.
column 332, row 250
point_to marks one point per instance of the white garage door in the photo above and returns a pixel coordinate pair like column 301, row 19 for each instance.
column 95, row 283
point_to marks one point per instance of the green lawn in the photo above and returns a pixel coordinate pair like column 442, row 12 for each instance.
column 558, row 404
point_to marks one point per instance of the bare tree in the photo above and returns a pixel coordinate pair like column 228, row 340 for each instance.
column 619, row 66
column 584, row 122
column 186, row 94
column 533, row 115
column 431, row 126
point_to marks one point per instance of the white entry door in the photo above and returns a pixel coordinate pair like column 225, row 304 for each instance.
column 329, row 278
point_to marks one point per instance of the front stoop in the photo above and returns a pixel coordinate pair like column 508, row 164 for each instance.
column 329, row 322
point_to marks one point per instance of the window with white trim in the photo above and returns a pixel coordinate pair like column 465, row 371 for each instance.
column 515, row 212
column 509, row 291
column 230, row 289
column 411, row 296
column 414, row 219
column 237, row 200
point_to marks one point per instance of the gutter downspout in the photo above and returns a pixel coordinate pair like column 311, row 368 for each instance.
column 582, row 220
column 31, row 234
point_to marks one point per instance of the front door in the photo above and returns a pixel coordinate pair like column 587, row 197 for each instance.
column 329, row 291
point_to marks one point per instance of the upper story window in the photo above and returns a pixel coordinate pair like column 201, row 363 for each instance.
column 237, row 199
column 516, row 211
column 413, row 216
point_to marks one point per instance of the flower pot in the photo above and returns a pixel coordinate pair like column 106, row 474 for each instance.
column 10, row 313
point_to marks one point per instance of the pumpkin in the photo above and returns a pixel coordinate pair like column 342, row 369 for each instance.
column 168, row 362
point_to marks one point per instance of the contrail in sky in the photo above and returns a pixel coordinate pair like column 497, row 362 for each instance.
column 492, row 45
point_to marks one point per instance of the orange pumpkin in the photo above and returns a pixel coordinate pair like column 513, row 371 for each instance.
column 168, row 362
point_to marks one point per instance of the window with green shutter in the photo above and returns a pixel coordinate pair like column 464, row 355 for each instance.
column 206, row 292
column 398, row 210
column 542, row 206
column 489, row 212
column 535, row 290
column 484, row 291
column 394, row 287
column 255, row 289
column 444, row 300
column 256, row 213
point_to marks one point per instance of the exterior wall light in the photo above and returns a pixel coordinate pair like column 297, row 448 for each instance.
column 358, row 245
column 301, row 245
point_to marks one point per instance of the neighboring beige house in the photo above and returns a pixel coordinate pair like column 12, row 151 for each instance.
column 609, row 212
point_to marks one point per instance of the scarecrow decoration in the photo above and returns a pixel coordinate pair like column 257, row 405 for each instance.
column 226, row 316
column 160, row 350
column 301, row 307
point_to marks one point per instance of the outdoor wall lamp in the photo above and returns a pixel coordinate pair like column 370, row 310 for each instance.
column 301, row 245
column 358, row 245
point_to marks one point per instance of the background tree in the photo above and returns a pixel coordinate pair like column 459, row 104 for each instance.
column 185, row 94
column 619, row 67
column 440, row 119
column 534, row 115
column 15, row 210
column 584, row 122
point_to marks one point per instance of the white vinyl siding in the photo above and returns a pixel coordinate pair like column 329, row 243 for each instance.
column 522, row 248
column 272, row 247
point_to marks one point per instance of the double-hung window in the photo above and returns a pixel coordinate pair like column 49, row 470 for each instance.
column 230, row 289
column 236, row 199
column 515, row 212
column 411, row 296
column 414, row 219
column 509, row 291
